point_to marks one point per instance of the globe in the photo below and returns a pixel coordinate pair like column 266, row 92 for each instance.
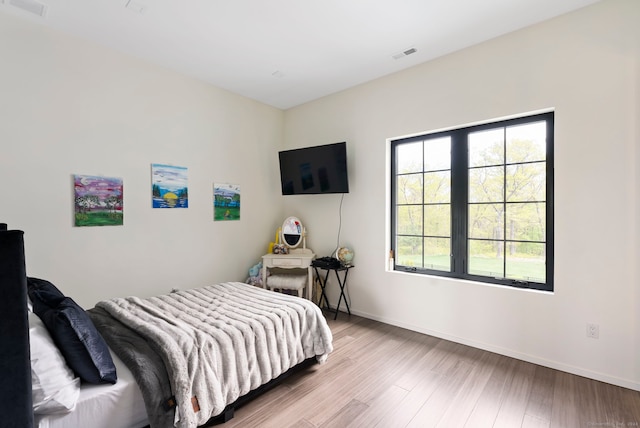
column 345, row 255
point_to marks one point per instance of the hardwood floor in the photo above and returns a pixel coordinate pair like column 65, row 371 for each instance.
column 384, row 376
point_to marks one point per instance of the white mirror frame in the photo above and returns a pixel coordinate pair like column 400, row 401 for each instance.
column 291, row 228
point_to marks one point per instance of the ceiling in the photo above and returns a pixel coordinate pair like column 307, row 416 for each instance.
column 288, row 52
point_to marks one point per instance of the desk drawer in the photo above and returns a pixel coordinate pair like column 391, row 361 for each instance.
column 286, row 262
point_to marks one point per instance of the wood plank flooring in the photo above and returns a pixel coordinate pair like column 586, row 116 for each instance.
column 387, row 377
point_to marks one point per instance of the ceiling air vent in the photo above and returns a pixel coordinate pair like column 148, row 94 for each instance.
column 30, row 6
column 405, row 53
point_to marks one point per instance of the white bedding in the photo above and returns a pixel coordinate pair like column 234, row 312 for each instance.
column 104, row 406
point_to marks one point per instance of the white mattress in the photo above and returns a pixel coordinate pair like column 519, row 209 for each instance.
column 104, row 406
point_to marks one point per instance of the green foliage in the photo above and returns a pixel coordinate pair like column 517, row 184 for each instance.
column 525, row 269
column 506, row 212
column 226, row 213
column 99, row 218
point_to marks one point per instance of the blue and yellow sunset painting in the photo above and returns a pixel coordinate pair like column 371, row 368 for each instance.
column 169, row 186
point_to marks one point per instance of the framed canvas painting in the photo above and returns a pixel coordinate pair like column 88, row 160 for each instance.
column 169, row 186
column 98, row 201
column 226, row 202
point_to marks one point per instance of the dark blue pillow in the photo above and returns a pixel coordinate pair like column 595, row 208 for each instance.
column 74, row 334
column 44, row 291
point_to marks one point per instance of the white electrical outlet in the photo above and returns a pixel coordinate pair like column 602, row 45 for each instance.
column 593, row 330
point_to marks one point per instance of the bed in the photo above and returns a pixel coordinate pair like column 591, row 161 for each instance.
column 185, row 359
column 107, row 406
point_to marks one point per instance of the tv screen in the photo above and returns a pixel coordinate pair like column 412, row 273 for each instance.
column 314, row 170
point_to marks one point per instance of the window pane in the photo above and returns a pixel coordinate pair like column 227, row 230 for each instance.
column 486, row 184
column 437, row 254
column 526, row 261
column 481, row 196
column 409, row 220
column 409, row 189
column 486, row 147
column 409, row 251
column 526, row 143
column 526, row 182
column 409, row 158
column 486, row 258
column 437, row 220
column 437, row 154
column 486, row 221
column 437, row 187
column 526, row 222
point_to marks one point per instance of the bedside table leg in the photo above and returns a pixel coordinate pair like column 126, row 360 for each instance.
column 342, row 285
column 323, row 284
column 264, row 276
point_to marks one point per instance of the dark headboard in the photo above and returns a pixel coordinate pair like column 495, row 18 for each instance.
column 15, row 366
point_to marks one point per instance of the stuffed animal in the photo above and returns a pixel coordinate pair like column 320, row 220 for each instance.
column 255, row 269
column 255, row 275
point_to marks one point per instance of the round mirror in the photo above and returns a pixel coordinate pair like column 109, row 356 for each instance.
column 292, row 232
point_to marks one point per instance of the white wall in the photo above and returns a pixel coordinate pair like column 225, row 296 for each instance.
column 72, row 107
column 67, row 107
column 585, row 66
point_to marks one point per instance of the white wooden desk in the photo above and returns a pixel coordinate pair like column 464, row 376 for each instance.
column 296, row 259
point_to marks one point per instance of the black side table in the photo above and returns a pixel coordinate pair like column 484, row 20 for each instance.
column 341, row 282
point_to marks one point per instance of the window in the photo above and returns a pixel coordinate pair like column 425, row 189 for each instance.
column 476, row 203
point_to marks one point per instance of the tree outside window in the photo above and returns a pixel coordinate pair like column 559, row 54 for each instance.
column 476, row 203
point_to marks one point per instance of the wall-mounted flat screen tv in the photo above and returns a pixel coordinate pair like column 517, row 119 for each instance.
column 314, row 170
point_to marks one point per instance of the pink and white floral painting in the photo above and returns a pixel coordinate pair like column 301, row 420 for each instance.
column 98, row 201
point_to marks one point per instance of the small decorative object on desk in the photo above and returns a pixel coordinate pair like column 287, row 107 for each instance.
column 280, row 249
column 276, row 241
column 345, row 255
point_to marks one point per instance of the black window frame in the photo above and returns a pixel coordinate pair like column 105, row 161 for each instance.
column 460, row 203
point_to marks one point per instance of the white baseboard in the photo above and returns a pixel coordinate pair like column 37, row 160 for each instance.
column 509, row 353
